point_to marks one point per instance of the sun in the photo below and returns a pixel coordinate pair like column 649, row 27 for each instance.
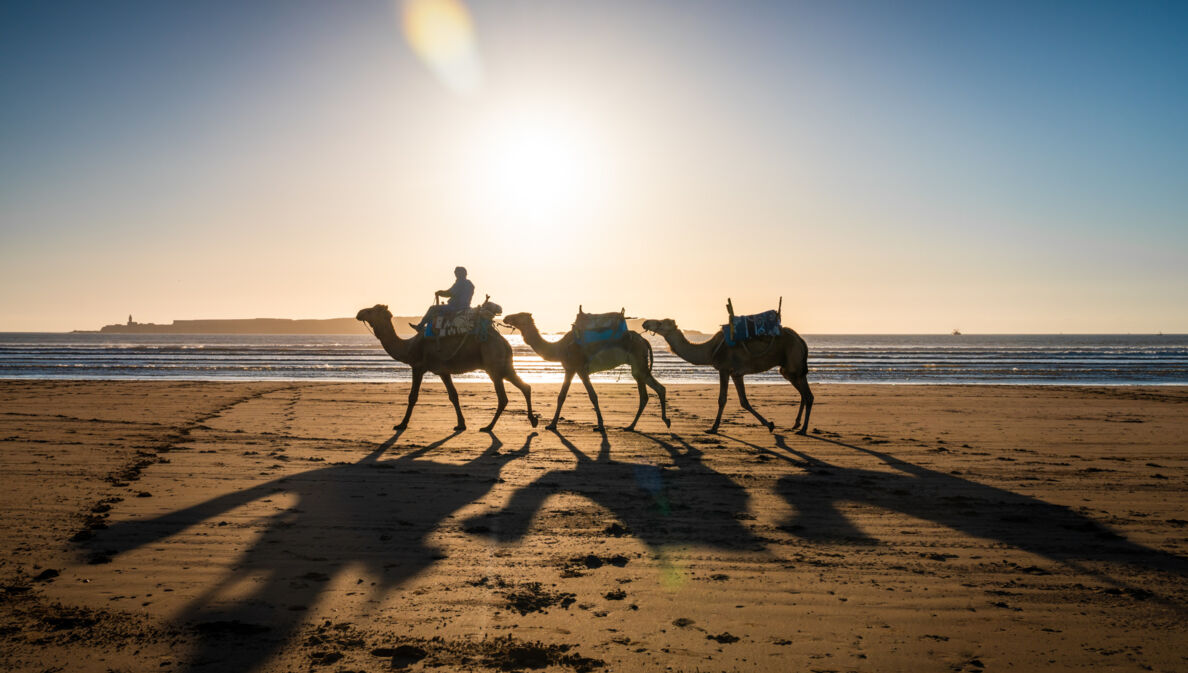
column 539, row 166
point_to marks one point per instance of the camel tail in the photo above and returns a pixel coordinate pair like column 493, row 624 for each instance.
column 804, row 350
column 804, row 359
column 650, row 359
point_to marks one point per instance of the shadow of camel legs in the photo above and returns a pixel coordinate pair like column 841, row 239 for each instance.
column 374, row 517
column 685, row 504
column 1024, row 522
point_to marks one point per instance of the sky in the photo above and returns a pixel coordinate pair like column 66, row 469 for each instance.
column 884, row 167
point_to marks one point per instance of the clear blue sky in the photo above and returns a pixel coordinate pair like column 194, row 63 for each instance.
column 885, row 167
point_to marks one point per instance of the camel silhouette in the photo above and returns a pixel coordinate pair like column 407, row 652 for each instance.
column 634, row 351
column 447, row 356
column 785, row 350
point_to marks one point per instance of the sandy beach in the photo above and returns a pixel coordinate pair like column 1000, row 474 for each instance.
column 173, row 526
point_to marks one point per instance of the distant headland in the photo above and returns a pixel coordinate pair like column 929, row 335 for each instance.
column 292, row 326
column 248, row 326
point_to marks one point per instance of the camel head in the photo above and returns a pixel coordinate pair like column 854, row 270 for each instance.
column 379, row 312
column 518, row 320
column 662, row 327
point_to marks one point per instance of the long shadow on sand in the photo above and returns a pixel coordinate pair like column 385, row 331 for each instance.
column 371, row 517
column 685, row 503
column 1052, row 531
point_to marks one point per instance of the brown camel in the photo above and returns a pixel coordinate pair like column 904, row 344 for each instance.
column 785, row 350
column 447, row 356
column 632, row 350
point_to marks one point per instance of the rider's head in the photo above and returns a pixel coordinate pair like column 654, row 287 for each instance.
column 459, row 272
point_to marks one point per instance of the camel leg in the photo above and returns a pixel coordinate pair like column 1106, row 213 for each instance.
column 501, row 397
column 561, row 399
column 413, row 393
column 593, row 400
column 524, row 388
column 722, row 378
column 806, row 400
column 453, row 393
column 663, row 395
column 643, row 400
column 643, row 378
column 742, row 399
column 800, row 382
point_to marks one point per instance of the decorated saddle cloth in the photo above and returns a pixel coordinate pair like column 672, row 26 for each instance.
column 747, row 327
column 597, row 328
column 476, row 321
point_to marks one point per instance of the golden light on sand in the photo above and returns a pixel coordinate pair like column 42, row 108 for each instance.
column 441, row 33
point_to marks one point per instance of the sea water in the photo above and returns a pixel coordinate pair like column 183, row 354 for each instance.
column 899, row 359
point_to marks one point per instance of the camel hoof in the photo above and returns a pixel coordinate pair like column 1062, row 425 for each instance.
column 551, row 426
column 770, row 426
column 630, row 428
column 487, row 428
column 459, row 428
column 402, row 426
column 802, row 431
column 598, row 428
column 667, row 423
column 533, row 419
column 711, row 431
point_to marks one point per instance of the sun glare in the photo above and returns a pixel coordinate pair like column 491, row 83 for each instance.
column 539, row 167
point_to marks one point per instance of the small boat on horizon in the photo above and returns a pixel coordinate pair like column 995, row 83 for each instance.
column 956, row 332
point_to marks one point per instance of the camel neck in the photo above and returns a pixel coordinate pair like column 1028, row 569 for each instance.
column 549, row 350
column 393, row 344
column 698, row 354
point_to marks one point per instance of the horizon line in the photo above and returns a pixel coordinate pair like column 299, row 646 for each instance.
column 963, row 334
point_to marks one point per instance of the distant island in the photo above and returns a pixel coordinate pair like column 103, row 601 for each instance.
column 251, row 326
column 291, row 326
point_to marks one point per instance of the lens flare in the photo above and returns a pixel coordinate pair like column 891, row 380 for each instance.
column 441, row 34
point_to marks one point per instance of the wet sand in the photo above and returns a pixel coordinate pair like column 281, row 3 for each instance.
column 171, row 526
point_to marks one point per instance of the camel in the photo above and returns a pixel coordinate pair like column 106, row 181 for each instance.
column 785, row 350
column 447, row 356
column 633, row 350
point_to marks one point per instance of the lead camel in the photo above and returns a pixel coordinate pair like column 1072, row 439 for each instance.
column 449, row 355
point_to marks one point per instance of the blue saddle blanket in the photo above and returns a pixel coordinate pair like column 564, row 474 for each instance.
column 592, row 328
column 747, row 327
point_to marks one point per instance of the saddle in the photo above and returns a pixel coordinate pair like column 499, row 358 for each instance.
column 475, row 321
column 743, row 328
column 597, row 328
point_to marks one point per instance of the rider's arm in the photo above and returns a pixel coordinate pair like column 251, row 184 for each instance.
column 449, row 292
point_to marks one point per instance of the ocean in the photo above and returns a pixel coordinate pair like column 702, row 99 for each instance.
column 902, row 359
